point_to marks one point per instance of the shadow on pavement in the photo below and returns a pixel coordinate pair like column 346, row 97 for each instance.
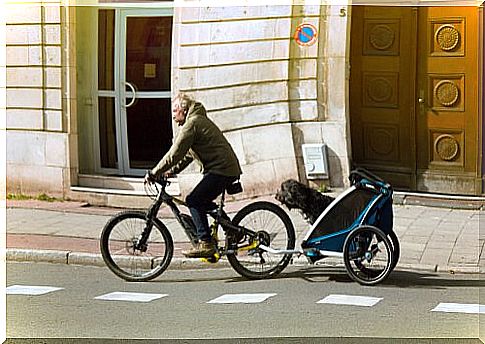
column 323, row 274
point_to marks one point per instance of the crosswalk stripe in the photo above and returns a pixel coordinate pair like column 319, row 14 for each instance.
column 131, row 297
column 242, row 298
column 470, row 308
column 30, row 290
column 351, row 300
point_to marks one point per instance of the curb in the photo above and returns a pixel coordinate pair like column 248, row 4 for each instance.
column 95, row 259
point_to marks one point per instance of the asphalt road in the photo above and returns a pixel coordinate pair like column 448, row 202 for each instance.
column 290, row 313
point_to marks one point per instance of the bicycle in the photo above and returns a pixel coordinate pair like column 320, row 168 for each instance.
column 137, row 246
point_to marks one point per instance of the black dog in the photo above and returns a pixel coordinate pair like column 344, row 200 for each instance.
column 310, row 202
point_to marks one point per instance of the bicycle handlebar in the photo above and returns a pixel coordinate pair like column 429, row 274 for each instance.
column 162, row 179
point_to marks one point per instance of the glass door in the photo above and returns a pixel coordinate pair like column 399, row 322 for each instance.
column 134, row 65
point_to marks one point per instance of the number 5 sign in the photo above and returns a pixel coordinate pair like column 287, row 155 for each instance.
column 305, row 34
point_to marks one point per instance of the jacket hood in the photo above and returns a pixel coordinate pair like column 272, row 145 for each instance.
column 197, row 109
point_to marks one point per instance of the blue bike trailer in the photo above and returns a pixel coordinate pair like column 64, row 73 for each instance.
column 367, row 202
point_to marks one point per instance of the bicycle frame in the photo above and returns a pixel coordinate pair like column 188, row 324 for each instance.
column 218, row 214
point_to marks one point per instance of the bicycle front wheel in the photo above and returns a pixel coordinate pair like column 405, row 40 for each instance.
column 273, row 229
column 118, row 241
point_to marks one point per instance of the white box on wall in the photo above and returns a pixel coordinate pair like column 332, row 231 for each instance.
column 316, row 161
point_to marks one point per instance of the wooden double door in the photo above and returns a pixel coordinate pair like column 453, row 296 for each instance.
column 414, row 96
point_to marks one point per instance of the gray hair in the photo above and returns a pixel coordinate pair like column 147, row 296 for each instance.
column 184, row 100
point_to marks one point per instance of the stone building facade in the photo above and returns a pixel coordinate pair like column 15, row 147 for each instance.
column 72, row 114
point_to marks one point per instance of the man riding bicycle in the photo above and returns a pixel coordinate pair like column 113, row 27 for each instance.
column 200, row 139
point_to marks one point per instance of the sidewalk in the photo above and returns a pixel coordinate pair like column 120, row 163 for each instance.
column 445, row 238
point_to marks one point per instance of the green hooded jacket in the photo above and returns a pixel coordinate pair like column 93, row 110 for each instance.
column 200, row 139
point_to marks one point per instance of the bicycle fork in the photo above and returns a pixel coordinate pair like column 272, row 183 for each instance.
column 141, row 242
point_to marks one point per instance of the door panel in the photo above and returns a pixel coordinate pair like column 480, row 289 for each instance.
column 148, row 52
column 134, row 128
column 147, row 132
column 382, row 67
column 107, row 133
column 146, row 120
column 413, row 96
column 447, row 122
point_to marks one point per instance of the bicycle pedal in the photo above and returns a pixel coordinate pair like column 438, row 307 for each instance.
column 214, row 259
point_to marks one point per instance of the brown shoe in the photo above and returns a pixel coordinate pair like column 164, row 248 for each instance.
column 204, row 249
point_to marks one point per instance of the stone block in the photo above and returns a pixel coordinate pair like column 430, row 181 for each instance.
column 56, row 150
column 26, row 148
column 248, row 30
column 303, row 68
column 245, row 95
column 191, row 56
column 52, row 14
column 247, row 51
column 303, row 110
column 236, row 141
column 23, row 34
column 22, row 13
column 338, row 172
column 284, row 169
column 52, row 56
column 246, row 116
column 187, row 14
column 17, row 56
column 52, row 34
column 230, row 12
column 259, row 178
column 233, row 74
column 82, row 258
column 22, row 179
column 24, row 77
column 27, row 255
column 336, row 89
column 53, row 120
column 336, row 27
column 307, row 132
column 25, row 98
column 335, row 10
column 24, row 119
column 53, row 77
column 53, row 99
column 267, row 143
column 194, row 33
column 269, row 11
column 302, row 89
column 35, row 55
column 334, row 135
column 307, row 10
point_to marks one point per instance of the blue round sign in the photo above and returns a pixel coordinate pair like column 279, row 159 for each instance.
column 306, row 34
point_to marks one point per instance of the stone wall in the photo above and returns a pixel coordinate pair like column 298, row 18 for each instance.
column 37, row 142
column 267, row 93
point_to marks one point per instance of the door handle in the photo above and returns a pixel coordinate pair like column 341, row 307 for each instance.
column 420, row 100
column 134, row 95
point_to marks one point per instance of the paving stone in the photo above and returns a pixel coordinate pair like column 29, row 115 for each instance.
column 435, row 256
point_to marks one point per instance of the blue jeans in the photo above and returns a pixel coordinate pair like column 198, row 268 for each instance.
column 201, row 200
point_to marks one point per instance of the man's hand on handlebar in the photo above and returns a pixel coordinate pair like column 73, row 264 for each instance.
column 169, row 174
column 149, row 178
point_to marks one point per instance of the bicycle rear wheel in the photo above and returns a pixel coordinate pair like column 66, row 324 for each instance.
column 118, row 241
column 273, row 229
